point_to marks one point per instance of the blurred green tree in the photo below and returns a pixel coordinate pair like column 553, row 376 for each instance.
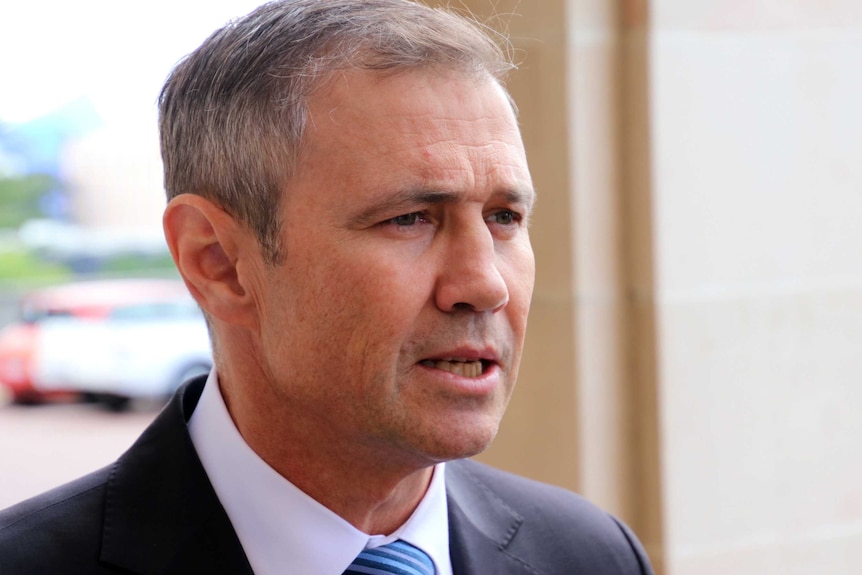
column 20, row 198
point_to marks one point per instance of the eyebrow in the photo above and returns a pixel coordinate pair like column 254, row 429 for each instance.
column 409, row 199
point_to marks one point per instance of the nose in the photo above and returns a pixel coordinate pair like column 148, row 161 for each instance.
column 470, row 277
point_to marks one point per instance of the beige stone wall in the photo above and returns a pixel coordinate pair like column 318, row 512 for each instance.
column 757, row 179
column 694, row 352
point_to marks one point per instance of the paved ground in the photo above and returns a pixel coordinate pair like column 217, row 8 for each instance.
column 43, row 446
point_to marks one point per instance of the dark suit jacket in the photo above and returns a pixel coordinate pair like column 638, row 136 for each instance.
column 155, row 512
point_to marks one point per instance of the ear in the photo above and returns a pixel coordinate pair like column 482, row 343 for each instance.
column 206, row 244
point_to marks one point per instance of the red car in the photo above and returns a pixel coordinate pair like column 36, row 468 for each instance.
column 19, row 348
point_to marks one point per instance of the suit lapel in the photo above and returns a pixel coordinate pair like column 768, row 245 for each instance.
column 161, row 513
column 481, row 526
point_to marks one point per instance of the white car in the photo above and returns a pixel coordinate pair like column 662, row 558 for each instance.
column 137, row 350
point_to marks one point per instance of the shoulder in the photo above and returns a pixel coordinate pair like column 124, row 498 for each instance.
column 566, row 527
column 529, row 498
column 64, row 524
column 515, row 488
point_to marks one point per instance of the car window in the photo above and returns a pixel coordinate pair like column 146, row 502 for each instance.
column 32, row 314
column 155, row 311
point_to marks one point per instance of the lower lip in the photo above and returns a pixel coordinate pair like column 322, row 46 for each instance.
column 485, row 384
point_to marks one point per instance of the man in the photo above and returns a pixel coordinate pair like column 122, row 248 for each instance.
column 348, row 203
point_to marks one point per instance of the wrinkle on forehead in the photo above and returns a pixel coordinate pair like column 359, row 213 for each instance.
column 418, row 129
column 432, row 120
column 335, row 102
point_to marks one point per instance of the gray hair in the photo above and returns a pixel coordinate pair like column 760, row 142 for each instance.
column 232, row 114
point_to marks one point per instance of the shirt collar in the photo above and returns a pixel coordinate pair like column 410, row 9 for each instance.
column 283, row 530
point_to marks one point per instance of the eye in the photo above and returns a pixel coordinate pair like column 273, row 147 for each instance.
column 505, row 217
column 405, row 220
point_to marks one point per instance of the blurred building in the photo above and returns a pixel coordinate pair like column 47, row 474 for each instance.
column 37, row 145
column 108, row 198
column 114, row 178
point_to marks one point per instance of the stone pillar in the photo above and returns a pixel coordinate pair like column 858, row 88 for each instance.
column 584, row 415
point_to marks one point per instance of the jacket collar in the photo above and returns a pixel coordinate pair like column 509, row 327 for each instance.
column 481, row 526
column 161, row 513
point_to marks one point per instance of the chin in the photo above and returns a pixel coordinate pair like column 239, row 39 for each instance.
column 459, row 441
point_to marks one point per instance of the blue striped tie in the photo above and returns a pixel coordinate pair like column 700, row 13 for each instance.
column 398, row 558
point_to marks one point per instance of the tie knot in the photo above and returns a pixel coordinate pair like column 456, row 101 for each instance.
column 398, row 557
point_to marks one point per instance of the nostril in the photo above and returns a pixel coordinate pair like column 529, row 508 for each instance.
column 473, row 288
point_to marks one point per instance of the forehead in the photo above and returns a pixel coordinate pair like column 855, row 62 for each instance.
column 430, row 123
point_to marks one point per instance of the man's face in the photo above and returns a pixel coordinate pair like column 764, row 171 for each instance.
column 397, row 318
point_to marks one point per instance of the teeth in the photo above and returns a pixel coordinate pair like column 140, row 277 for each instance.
column 457, row 365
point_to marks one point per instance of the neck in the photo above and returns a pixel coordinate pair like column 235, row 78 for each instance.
column 374, row 490
column 374, row 506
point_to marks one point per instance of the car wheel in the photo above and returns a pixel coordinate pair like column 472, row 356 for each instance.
column 27, row 398
column 115, row 403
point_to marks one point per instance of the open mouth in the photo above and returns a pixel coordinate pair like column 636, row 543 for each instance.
column 459, row 366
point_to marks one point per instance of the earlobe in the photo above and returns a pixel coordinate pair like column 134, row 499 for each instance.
column 205, row 243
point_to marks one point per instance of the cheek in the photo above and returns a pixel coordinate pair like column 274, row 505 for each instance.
column 521, row 265
column 377, row 305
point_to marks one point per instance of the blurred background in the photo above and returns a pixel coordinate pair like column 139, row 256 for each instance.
column 693, row 359
column 95, row 327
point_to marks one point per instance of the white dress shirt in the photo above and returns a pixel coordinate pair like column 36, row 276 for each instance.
column 283, row 530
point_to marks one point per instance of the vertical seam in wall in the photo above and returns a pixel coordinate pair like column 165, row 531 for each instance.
column 639, row 277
